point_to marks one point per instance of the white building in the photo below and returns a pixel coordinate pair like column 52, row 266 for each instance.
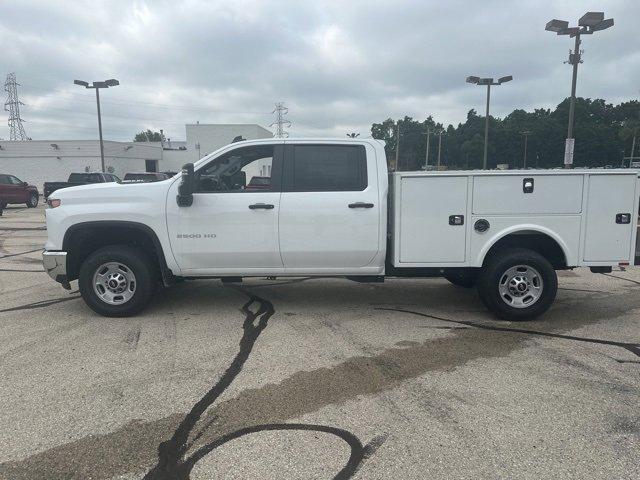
column 39, row 161
column 203, row 139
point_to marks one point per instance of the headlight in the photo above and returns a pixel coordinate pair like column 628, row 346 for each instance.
column 53, row 202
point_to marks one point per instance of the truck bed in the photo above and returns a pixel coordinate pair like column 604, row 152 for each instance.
column 437, row 218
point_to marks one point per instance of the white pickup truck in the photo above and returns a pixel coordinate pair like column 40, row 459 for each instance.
column 329, row 207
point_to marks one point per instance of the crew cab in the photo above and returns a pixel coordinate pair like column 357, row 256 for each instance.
column 79, row 178
column 330, row 208
column 13, row 191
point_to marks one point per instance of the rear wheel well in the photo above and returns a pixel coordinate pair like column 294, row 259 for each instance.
column 83, row 239
column 537, row 241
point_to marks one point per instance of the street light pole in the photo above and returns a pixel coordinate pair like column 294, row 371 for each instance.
column 398, row 146
column 589, row 23
column 486, row 129
column 100, row 130
column 97, row 86
column 488, row 82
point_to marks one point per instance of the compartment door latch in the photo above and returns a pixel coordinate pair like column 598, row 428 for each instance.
column 527, row 185
column 623, row 218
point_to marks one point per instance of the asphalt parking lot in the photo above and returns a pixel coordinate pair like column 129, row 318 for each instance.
column 300, row 378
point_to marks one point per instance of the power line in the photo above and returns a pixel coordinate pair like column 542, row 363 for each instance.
column 149, row 104
column 12, row 105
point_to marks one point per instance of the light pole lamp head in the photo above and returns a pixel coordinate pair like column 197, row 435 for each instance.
column 603, row 25
column 82, row 83
column 112, row 82
column 505, row 79
column 473, row 79
column 556, row 26
column 591, row 19
column 485, row 81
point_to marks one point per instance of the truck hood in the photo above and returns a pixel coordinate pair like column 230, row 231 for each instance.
column 110, row 192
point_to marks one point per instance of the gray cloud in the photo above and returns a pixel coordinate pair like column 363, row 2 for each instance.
column 339, row 66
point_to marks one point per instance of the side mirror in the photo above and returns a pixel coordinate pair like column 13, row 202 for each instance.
column 25, row 184
column 187, row 187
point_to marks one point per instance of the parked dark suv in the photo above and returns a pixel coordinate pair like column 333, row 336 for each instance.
column 14, row 190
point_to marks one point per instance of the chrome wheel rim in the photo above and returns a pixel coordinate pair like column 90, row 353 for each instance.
column 33, row 200
column 114, row 283
column 520, row 286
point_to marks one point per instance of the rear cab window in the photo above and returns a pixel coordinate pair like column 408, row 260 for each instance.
column 325, row 168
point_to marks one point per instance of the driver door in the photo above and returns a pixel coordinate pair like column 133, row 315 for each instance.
column 232, row 225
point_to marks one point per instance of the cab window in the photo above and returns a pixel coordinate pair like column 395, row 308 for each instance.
column 245, row 169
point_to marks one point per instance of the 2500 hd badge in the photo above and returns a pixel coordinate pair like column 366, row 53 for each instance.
column 196, row 235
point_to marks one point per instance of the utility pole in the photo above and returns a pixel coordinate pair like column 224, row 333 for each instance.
column 12, row 105
column 526, row 134
column 97, row 86
column 426, row 159
column 439, row 146
column 589, row 23
column 281, row 123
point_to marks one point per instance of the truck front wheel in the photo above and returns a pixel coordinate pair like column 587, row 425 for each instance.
column 117, row 280
column 517, row 284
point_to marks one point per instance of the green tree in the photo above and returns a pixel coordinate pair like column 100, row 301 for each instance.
column 148, row 136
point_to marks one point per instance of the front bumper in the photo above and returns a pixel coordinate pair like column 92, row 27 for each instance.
column 55, row 263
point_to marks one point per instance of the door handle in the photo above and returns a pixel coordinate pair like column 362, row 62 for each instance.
column 361, row 205
column 264, row 206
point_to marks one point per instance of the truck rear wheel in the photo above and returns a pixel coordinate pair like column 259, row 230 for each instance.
column 117, row 280
column 517, row 284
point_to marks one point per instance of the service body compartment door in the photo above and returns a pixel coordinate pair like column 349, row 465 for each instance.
column 608, row 235
column 507, row 194
column 432, row 219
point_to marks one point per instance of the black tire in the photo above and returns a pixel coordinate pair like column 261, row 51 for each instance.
column 134, row 259
column 493, row 275
column 464, row 280
column 33, row 200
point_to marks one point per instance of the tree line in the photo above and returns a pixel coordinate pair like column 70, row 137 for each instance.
column 604, row 135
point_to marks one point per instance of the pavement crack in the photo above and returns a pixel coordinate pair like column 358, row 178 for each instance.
column 40, row 304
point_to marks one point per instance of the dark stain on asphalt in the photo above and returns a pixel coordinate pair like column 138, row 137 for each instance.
column 173, row 462
column 631, row 347
column 132, row 337
column 133, row 448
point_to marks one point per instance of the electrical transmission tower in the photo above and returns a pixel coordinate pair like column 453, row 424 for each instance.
column 12, row 105
column 281, row 123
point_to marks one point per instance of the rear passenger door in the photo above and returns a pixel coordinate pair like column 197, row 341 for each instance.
column 329, row 208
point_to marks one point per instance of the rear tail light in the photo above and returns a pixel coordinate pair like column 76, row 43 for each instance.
column 53, row 202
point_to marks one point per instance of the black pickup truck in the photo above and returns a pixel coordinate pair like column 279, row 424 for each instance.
column 76, row 179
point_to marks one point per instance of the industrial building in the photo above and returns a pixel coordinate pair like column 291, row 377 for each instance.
column 39, row 161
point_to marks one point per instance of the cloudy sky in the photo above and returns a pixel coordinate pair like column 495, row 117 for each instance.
column 338, row 65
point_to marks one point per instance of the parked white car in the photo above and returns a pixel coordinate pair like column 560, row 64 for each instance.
column 329, row 207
